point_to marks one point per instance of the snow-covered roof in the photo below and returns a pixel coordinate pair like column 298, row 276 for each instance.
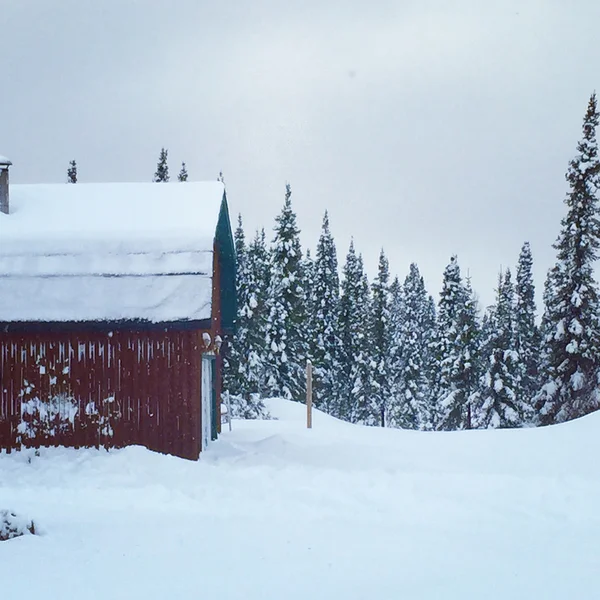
column 108, row 252
column 4, row 160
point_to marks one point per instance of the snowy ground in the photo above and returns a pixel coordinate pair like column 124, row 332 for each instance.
column 274, row 511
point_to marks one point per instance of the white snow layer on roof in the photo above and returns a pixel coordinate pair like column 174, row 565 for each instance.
column 4, row 160
column 69, row 218
column 96, row 252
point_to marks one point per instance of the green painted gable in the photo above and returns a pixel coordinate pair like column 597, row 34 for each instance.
column 227, row 268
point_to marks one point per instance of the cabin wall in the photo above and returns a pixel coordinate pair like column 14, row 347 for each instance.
column 102, row 389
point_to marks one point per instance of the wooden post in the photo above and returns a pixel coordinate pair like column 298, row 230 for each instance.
column 308, row 394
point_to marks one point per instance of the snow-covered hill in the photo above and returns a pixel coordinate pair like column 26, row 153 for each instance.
column 275, row 511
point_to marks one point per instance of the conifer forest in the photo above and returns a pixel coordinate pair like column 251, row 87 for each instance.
column 391, row 353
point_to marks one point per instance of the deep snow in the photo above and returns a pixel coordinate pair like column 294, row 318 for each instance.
column 132, row 250
column 273, row 510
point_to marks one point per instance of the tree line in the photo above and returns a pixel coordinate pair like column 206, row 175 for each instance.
column 161, row 175
column 386, row 354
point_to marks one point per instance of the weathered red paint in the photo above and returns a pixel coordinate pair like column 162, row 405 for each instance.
column 153, row 376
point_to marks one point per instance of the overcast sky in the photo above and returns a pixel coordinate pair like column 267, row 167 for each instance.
column 426, row 128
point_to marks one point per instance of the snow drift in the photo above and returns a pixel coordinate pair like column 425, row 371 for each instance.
column 273, row 511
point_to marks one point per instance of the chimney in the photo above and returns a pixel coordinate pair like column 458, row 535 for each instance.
column 4, row 164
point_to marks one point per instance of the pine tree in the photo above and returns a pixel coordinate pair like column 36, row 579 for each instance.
column 468, row 350
column 162, row 168
column 244, row 368
column 527, row 335
column 413, row 401
column 72, row 172
column 253, row 315
column 430, row 364
column 498, row 404
column 356, row 368
column 324, row 310
column 455, row 337
column 287, row 346
column 235, row 350
column 571, row 311
column 380, row 343
column 183, row 174
column 363, row 373
column 396, row 351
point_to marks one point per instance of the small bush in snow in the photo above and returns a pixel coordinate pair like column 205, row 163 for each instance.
column 12, row 526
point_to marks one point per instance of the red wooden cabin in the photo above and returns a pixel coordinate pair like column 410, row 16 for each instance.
column 113, row 302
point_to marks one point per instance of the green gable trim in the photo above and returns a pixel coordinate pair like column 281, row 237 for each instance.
column 227, row 268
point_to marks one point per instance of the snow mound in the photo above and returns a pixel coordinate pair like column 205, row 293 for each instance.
column 286, row 410
column 12, row 526
column 336, row 511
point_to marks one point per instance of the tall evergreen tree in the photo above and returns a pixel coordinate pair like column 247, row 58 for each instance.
column 244, row 354
column 456, row 348
column 498, row 403
column 451, row 402
column 527, row 335
column 287, row 346
column 72, row 172
column 413, row 401
column 356, row 368
column 183, row 174
column 430, row 365
column 380, row 343
column 235, row 351
column 468, row 349
column 325, row 307
column 253, row 314
column 396, row 351
column 162, row 168
column 571, row 312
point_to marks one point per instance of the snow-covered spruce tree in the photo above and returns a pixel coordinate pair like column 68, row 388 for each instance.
column 162, row 168
column 324, row 310
column 527, row 334
column 571, row 312
column 183, row 174
column 395, row 352
column 380, row 343
column 455, row 339
column 72, row 172
column 467, row 368
column 242, row 358
column 356, row 367
column 286, row 344
column 412, row 399
column 430, row 367
column 498, row 405
column 254, row 316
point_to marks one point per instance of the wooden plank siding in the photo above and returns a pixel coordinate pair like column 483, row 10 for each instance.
column 127, row 387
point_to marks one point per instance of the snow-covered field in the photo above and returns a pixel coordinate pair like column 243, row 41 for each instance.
column 276, row 511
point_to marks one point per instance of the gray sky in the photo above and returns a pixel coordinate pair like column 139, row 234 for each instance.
column 428, row 128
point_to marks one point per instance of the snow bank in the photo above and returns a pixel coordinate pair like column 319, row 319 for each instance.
column 273, row 510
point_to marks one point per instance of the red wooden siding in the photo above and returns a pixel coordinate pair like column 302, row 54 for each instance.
column 103, row 389
column 216, row 326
